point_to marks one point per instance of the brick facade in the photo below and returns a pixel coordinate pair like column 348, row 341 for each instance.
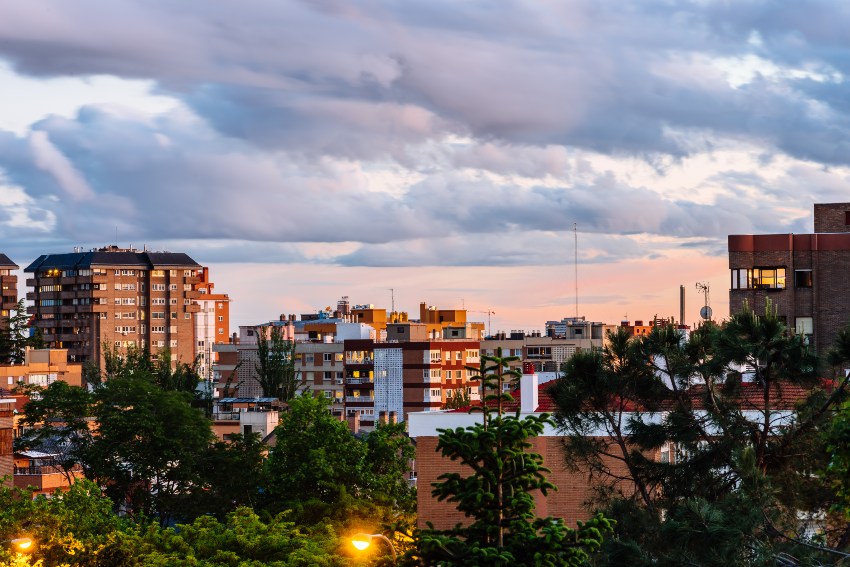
column 816, row 290
column 115, row 298
column 572, row 501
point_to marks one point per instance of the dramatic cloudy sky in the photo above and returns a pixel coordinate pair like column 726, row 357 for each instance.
column 307, row 150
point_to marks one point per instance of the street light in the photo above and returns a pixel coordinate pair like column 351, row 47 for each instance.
column 362, row 541
column 21, row 544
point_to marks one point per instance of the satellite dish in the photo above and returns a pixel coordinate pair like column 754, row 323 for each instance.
column 705, row 312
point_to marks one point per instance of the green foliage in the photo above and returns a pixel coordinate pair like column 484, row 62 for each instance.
column 232, row 477
column 56, row 421
column 320, row 471
column 14, row 336
column 275, row 371
column 149, row 445
column 496, row 379
column 458, row 399
column 741, row 463
column 243, row 540
column 77, row 529
column 497, row 495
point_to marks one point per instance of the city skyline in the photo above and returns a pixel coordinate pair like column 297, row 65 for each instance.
column 308, row 150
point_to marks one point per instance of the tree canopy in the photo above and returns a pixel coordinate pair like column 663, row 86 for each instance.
column 711, row 442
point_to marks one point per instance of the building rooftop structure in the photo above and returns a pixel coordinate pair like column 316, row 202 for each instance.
column 802, row 276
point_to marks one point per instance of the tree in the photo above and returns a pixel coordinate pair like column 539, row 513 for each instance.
column 497, row 494
column 275, row 370
column 78, row 529
column 315, row 457
column 232, row 478
column 242, row 539
column 741, row 456
column 56, row 420
column 149, row 444
column 14, row 336
column 389, row 452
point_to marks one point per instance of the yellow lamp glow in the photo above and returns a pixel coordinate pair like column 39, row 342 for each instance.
column 22, row 543
column 361, row 541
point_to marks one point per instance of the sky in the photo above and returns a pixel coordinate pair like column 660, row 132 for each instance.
column 537, row 160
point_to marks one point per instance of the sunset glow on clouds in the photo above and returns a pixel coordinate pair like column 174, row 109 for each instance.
column 308, row 150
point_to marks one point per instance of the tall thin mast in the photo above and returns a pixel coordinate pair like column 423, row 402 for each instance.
column 575, row 235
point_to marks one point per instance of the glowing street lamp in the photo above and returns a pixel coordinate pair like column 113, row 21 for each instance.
column 21, row 544
column 362, row 541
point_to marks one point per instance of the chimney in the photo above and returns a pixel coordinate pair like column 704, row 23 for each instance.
column 681, row 305
column 528, row 389
column 354, row 422
column 393, row 417
column 382, row 417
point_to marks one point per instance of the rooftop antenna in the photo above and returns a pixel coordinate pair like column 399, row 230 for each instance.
column 392, row 299
column 575, row 235
column 705, row 312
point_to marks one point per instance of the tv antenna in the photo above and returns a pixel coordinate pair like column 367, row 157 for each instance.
column 705, row 312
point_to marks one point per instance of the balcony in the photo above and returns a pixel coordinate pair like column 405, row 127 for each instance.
column 194, row 308
column 194, row 294
column 359, row 380
column 31, row 282
column 360, row 399
column 194, row 280
column 226, row 416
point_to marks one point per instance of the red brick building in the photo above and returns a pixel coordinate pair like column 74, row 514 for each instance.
column 804, row 276
column 9, row 285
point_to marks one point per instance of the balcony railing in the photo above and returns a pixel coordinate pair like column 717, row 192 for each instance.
column 364, row 399
column 359, row 380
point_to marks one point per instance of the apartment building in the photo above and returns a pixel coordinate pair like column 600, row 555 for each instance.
column 41, row 367
column 409, row 372
column 802, row 276
column 212, row 324
column 117, row 298
column 8, row 287
column 7, row 463
column 547, row 353
column 319, row 361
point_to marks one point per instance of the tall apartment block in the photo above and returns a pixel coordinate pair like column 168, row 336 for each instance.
column 410, row 372
column 118, row 298
column 803, row 276
column 9, row 285
column 212, row 324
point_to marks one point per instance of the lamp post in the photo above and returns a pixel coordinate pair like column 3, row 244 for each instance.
column 20, row 544
column 362, row 541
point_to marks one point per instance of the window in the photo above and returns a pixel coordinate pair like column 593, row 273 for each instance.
column 173, row 287
column 802, row 278
column 157, row 300
column 187, row 315
column 172, row 273
column 220, row 331
column 187, row 287
column 758, row 278
column 173, row 342
column 328, row 394
column 158, row 287
column 769, row 278
column 174, row 314
column 173, row 301
column 327, row 357
column 436, row 392
column 158, row 315
column 220, row 318
column 804, row 326
column 157, row 273
column 188, row 273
